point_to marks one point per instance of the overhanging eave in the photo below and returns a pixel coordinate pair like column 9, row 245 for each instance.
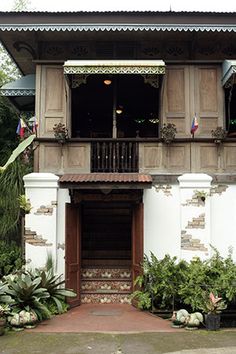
column 228, row 72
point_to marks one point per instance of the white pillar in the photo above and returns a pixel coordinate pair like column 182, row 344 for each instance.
column 195, row 215
column 41, row 224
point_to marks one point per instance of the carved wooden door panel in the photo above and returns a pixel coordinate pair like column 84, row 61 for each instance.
column 73, row 251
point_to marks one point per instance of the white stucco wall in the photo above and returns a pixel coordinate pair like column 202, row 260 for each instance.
column 167, row 211
column 166, row 217
column 223, row 220
column 162, row 221
column 63, row 198
column 41, row 189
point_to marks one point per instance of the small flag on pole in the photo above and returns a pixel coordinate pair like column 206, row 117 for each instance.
column 35, row 125
column 20, row 130
column 194, row 126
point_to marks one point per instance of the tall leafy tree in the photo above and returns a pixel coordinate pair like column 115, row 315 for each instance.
column 11, row 179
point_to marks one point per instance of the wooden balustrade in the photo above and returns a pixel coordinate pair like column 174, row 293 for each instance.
column 114, row 156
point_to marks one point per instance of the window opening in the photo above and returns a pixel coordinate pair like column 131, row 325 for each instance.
column 116, row 106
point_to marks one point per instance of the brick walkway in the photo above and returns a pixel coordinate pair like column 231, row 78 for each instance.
column 105, row 318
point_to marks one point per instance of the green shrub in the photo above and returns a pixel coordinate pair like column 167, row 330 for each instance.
column 159, row 282
column 53, row 308
column 168, row 283
column 10, row 258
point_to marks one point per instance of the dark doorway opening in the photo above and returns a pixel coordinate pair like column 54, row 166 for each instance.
column 106, row 234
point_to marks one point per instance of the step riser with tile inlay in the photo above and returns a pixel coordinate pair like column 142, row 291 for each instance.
column 106, row 285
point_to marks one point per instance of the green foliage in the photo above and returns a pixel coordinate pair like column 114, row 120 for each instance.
column 18, row 150
column 193, row 290
column 28, row 294
column 11, row 186
column 166, row 283
column 25, row 205
column 4, row 298
column 160, row 281
column 9, row 70
column 10, row 257
column 53, row 285
column 213, row 304
column 8, row 124
column 54, row 309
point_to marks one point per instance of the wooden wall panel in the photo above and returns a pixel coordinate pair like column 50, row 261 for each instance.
column 176, row 97
column 150, row 156
column 193, row 90
column 68, row 158
column 230, row 157
column 77, row 158
column 175, row 91
column 208, row 158
column 208, row 99
column 177, row 157
column 54, row 91
column 208, row 124
column 51, row 101
column 50, row 158
column 208, row 90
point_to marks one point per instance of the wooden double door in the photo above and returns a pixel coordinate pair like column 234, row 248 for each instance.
column 102, row 233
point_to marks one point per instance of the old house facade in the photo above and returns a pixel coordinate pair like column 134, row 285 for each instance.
column 115, row 189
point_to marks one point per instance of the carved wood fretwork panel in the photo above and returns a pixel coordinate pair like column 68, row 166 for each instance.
column 167, row 49
column 133, row 196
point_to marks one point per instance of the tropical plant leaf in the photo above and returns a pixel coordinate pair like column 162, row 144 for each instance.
column 18, row 150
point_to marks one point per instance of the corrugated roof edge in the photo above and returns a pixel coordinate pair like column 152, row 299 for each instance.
column 207, row 13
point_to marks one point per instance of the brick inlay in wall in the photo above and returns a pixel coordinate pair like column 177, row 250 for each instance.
column 219, row 189
column 197, row 223
column 189, row 243
column 46, row 209
column 194, row 201
column 165, row 188
column 32, row 238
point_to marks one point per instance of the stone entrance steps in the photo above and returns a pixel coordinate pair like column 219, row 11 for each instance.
column 106, row 285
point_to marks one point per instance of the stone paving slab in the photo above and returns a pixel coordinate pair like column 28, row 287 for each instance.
column 229, row 350
column 106, row 318
column 198, row 342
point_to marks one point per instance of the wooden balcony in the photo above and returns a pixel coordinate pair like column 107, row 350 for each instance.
column 113, row 156
column 135, row 155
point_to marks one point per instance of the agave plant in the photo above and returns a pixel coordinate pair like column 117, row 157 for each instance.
column 28, row 294
column 53, row 284
column 4, row 297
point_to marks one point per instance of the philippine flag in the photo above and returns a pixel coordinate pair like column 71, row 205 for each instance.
column 20, row 130
column 35, row 125
column 194, row 125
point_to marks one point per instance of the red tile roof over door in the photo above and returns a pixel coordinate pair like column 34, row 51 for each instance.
column 106, row 178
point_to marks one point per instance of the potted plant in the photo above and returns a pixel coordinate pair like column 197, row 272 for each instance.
column 168, row 132
column 201, row 195
column 213, row 308
column 218, row 134
column 60, row 132
column 25, row 206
